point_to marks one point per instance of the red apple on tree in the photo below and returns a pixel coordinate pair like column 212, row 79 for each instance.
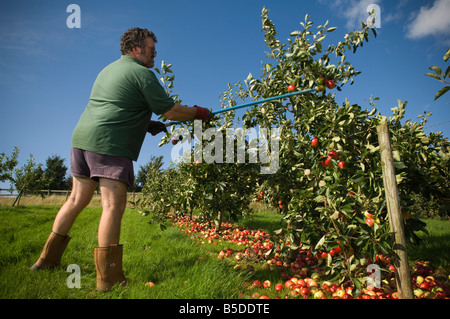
column 333, row 154
column 342, row 165
column 330, row 84
column 315, row 142
column 338, row 250
column 291, row 88
column 327, row 163
column 370, row 222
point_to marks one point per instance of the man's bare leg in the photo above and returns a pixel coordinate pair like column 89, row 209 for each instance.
column 82, row 191
column 114, row 201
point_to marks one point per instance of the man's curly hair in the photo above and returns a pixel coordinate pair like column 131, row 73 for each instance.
column 135, row 37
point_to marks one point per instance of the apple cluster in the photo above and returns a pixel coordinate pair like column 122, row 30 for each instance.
column 332, row 155
column 323, row 83
column 305, row 277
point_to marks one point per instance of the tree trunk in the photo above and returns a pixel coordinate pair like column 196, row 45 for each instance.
column 292, row 254
column 219, row 221
column 19, row 196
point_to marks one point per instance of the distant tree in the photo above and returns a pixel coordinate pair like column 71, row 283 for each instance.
column 55, row 173
column 146, row 171
column 7, row 165
column 28, row 178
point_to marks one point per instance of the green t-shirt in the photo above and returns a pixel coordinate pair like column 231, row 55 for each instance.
column 123, row 98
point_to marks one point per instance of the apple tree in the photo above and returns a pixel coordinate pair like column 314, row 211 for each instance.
column 219, row 185
column 214, row 186
column 331, row 192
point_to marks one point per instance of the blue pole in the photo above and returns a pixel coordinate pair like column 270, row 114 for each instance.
column 250, row 104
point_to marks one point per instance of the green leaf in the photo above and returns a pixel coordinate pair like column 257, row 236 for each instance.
column 320, row 243
column 447, row 55
column 441, row 92
column 278, row 231
column 372, row 112
column 437, row 70
column 399, row 165
column 331, row 29
column 447, row 72
column 432, row 75
column 374, row 32
column 321, row 38
column 335, row 215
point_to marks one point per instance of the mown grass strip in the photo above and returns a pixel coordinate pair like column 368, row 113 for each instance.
column 179, row 267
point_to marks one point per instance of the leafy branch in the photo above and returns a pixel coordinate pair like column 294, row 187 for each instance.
column 438, row 75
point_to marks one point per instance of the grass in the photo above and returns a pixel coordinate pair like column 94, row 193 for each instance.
column 179, row 267
column 435, row 246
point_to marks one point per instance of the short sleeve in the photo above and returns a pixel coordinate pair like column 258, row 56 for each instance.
column 156, row 96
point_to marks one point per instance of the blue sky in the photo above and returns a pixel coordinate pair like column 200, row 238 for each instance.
column 47, row 69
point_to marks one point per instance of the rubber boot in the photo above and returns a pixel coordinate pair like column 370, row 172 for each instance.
column 108, row 263
column 51, row 254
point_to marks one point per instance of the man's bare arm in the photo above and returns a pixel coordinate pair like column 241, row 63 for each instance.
column 180, row 113
column 183, row 113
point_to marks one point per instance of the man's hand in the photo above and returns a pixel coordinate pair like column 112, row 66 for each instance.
column 155, row 127
column 203, row 114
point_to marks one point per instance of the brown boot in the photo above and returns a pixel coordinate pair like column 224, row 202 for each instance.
column 108, row 262
column 52, row 252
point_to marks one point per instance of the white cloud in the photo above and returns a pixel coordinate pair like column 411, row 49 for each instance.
column 432, row 20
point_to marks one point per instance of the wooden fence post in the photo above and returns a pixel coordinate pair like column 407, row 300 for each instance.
column 402, row 272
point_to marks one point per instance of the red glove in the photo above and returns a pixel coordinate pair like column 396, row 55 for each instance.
column 203, row 114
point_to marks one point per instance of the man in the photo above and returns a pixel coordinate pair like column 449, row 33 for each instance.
column 105, row 142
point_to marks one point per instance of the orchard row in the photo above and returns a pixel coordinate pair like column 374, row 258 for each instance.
column 329, row 186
